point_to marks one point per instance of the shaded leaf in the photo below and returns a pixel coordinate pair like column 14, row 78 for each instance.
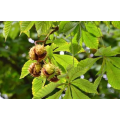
column 107, row 23
column 105, row 52
column 97, row 81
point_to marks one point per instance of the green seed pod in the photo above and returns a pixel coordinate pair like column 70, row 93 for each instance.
column 35, row 69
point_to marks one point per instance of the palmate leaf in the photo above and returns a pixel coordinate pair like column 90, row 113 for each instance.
column 65, row 60
column 82, row 68
column 105, row 52
column 6, row 28
column 77, row 94
column 26, row 25
column 60, row 42
column 64, row 47
column 45, row 90
column 116, row 24
column 49, row 51
column 115, row 61
column 74, row 46
column 85, row 85
column 113, row 75
column 62, row 24
column 56, row 95
column 37, row 85
column 69, row 27
column 97, row 81
column 93, row 29
column 25, row 68
column 43, row 27
column 89, row 40
column 68, row 94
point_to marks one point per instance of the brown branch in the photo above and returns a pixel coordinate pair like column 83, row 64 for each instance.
column 44, row 41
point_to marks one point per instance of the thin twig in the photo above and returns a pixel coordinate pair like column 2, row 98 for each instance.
column 44, row 41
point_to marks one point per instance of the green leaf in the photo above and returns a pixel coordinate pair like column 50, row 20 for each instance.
column 14, row 30
column 43, row 27
column 115, row 61
column 105, row 52
column 69, row 27
column 60, row 42
column 36, row 85
column 74, row 46
column 97, row 81
column 26, row 25
column 116, row 24
column 65, row 60
column 89, row 40
column 85, row 85
column 25, row 68
column 6, row 28
column 62, row 24
column 68, row 94
column 49, row 51
column 113, row 75
column 64, row 47
column 97, row 22
column 56, row 95
column 93, row 29
column 45, row 90
column 82, row 68
column 107, row 23
column 77, row 94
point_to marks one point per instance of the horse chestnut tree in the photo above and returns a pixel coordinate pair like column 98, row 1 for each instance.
column 58, row 76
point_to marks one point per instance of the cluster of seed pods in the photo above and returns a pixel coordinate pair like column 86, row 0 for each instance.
column 47, row 70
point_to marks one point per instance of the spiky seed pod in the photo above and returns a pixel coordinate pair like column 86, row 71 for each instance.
column 32, row 53
column 49, row 68
column 35, row 69
column 54, row 79
column 37, row 52
column 40, row 49
column 57, row 71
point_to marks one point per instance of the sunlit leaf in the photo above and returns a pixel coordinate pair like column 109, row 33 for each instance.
column 77, row 94
column 89, row 40
column 43, row 27
column 85, row 85
column 68, row 94
column 25, row 68
column 56, row 95
column 113, row 76
column 45, row 90
column 6, row 29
